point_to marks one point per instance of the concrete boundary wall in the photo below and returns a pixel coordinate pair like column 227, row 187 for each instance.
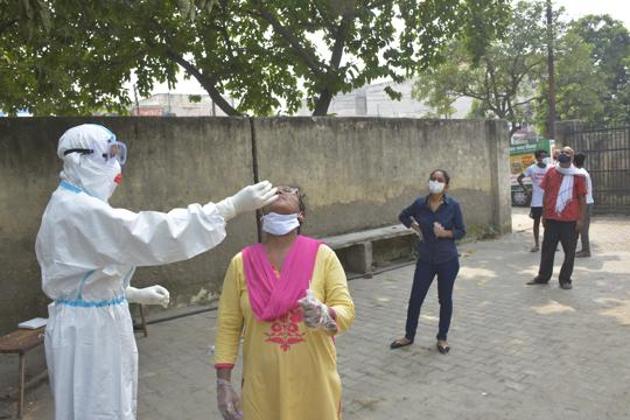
column 357, row 173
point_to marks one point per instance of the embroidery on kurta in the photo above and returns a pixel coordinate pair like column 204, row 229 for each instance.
column 285, row 331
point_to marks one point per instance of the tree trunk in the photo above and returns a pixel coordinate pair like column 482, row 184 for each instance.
column 323, row 103
column 208, row 83
column 219, row 100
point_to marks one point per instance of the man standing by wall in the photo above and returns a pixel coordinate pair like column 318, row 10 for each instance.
column 586, row 245
column 564, row 207
column 536, row 172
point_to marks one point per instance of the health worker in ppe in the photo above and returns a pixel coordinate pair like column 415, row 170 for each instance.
column 88, row 252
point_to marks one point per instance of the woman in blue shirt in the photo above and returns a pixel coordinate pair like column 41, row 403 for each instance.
column 438, row 218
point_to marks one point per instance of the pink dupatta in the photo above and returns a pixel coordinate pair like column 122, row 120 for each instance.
column 271, row 297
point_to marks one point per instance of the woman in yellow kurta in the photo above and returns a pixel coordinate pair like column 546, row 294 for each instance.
column 289, row 356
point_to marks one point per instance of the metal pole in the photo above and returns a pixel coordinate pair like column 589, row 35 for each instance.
column 135, row 96
column 551, row 96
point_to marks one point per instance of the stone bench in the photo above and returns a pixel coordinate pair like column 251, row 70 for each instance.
column 361, row 252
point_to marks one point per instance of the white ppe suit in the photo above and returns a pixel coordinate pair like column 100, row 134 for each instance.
column 88, row 252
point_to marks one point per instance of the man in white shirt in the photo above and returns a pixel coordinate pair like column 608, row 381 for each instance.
column 585, row 252
column 536, row 173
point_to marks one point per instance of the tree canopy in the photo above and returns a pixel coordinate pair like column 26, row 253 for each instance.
column 592, row 72
column 268, row 55
column 22, row 22
column 502, row 82
column 509, row 80
column 609, row 43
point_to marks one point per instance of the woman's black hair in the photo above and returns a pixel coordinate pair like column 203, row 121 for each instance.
column 301, row 197
column 301, row 204
column 447, row 178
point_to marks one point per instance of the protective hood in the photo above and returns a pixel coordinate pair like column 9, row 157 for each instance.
column 96, row 176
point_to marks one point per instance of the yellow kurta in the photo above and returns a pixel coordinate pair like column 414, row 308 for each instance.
column 289, row 370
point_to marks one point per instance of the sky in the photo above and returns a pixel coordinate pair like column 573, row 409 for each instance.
column 618, row 9
column 574, row 9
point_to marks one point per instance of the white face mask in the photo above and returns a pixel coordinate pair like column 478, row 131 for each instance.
column 96, row 178
column 436, row 187
column 279, row 224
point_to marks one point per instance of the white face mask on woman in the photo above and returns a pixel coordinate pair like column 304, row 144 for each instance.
column 436, row 187
column 279, row 224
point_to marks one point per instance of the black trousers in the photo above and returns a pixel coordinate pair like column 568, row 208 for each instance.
column 446, row 273
column 586, row 245
column 563, row 232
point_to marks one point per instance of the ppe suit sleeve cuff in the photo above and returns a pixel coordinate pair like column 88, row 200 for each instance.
column 130, row 294
column 225, row 208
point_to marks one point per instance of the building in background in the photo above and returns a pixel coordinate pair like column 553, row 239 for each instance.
column 372, row 101
column 21, row 113
column 367, row 101
column 177, row 105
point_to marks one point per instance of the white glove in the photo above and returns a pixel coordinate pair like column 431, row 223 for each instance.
column 249, row 198
column 153, row 295
column 316, row 314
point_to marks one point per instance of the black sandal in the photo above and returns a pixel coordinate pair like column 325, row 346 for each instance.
column 396, row 344
column 443, row 349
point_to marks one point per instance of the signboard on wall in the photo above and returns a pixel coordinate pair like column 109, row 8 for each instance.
column 521, row 156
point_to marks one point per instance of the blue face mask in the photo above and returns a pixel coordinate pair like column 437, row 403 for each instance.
column 564, row 158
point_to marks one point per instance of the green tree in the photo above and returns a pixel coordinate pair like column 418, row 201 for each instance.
column 268, row 55
column 622, row 111
column 47, row 68
column 21, row 23
column 502, row 80
column 580, row 88
column 592, row 72
column 609, row 42
column 23, row 17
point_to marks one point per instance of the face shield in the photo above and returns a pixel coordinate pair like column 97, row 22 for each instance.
column 93, row 159
column 104, row 153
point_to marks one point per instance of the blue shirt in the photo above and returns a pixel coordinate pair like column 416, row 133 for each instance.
column 433, row 249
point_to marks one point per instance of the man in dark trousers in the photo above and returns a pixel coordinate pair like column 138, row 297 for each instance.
column 578, row 161
column 564, row 208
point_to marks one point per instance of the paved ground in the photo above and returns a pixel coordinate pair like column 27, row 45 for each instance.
column 517, row 352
